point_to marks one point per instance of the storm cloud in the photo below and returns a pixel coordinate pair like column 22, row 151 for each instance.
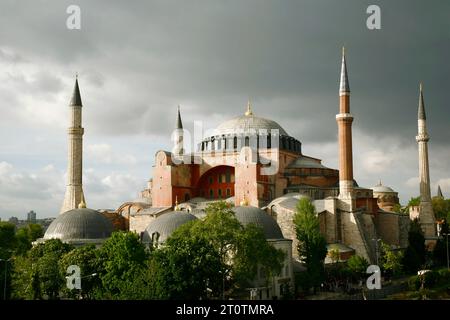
column 137, row 61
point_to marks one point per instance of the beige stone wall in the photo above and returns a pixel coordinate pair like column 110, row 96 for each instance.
column 286, row 276
column 388, row 228
column 284, row 218
column 138, row 223
column 353, row 234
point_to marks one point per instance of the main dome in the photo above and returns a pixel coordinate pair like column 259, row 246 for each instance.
column 248, row 123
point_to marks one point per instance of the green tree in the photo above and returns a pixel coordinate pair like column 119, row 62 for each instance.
column 440, row 250
column 7, row 246
column 86, row 258
column 184, row 269
column 46, row 278
column 312, row 245
column 7, row 239
column 242, row 250
column 391, row 260
column 51, row 280
column 26, row 235
column 414, row 257
column 414, row 201
column 121, row 258
column 441, row 208
column 358, row 266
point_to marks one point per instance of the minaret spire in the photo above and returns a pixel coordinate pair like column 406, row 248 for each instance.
column 179, row 124
column 177, row 136
column 74, row 190
column 439, row 192
column 426, row 215
column 344, row 87
column 421, row 112
column 76, row 97
column 344, row 120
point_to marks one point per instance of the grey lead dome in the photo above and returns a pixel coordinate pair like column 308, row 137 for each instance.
column 166, row 224
column 247, row 123
column 252, row 215
column 79, row 224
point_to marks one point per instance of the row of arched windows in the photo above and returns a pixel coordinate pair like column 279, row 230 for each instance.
column 229, row 143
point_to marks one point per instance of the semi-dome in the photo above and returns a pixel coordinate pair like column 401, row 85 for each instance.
column 166, row 224
column 248, row 215
column 79, row 225
column 248, row 124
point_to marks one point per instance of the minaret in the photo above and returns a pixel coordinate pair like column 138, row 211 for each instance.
column 426, row 215
column 344, row 120
column 74, row 190
column 178, row 136
column 439, row 193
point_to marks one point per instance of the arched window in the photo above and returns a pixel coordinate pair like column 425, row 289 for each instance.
column 211, row 193
column 247, row 141
column 269, row 141
column 187, row 197
column 219, row 193
column 235, row 142
column 219, row 144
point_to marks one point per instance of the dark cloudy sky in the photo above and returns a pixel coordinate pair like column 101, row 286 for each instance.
column 137, row 60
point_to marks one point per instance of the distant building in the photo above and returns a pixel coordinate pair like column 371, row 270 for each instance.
column 31, row 217
column 14, row 220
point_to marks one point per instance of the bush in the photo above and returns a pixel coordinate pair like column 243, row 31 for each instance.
column 357, row 265
column 431, row 278
column 443, row 277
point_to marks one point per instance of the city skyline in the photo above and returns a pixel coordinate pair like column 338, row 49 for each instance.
column 285, row 62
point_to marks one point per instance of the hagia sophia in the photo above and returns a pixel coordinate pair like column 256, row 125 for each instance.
column 255, row 165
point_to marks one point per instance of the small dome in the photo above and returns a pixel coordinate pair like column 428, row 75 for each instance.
column 79, row 224
column 248, row 123
column 382, row 189
column 166, row 224
column 247, row 215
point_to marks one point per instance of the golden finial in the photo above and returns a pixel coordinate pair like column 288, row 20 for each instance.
column 249, row 111
column 76, row 75
column 420, row 86
column 177, row 207
column 82, row 203
column 343, row 50
column 244, row 202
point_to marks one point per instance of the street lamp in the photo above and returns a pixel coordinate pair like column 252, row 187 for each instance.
column 223, row 283
column 6, row 267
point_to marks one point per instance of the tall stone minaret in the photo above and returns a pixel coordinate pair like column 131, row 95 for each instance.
column 426, row 215
column 74, row 190
column 178, row 149
column 344, row 120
